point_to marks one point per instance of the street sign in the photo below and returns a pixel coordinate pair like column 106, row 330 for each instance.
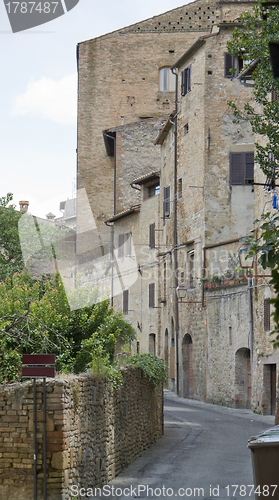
column 35, row 365
column 39, row 366
column 38, row 371
column 38, row 359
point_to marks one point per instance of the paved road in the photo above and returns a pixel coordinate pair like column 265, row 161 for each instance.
column 201, row 455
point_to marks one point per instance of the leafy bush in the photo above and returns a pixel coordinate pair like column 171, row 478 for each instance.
column 35, row 318
column 153, row 367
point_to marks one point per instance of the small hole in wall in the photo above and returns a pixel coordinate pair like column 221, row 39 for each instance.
column 209, row 72
column 171, row 51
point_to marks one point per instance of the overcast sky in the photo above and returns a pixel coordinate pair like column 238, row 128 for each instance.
column 38, row 97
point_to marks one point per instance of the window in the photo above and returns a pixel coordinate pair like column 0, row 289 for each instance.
column 179, row 188
column 191, row 267
column 232, row 63
column 153, row 190
column 124, row 245
column 166, row 202
column 274, row 95
column 125, row 301
column 152, row 343
column 266, row 315
column 167, row 80
column 121, row 246
column 152, row 295
column 186, row 128
column 186, row 81
column 241, row 168
column 152, row 236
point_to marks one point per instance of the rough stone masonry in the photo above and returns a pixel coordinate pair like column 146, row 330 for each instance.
column 92, row 432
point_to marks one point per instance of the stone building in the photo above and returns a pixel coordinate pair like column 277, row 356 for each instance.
column 172, row 175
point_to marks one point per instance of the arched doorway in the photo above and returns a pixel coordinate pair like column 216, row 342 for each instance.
column 242, row 378
column 187, row 364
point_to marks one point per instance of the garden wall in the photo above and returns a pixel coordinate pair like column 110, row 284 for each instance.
column 92, row 432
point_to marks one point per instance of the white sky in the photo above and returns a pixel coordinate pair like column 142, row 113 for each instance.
column 38, row 97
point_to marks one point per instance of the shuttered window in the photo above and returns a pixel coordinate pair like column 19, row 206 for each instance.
column 124, row 245
column 120, row 246
column 186, row 81
column 128, row 244
column 152, row 295
column 166, row 206
column 125, row 301
column 241, row 168
column 274, row 95
column 266, row 315
column 229, row 64
column 152, row 236
column 232, row 62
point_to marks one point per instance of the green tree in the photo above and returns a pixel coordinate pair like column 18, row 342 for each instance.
column 10, row 250
column 251, row 42
column 35, row 317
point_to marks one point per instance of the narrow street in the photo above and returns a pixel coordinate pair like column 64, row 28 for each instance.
column 203, row 453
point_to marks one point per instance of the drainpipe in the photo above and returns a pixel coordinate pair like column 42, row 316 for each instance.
column 251, row 329
column 114, row 213
column 175, row 235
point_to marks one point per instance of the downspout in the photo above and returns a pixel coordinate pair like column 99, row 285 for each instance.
column 114, row 213
column 175, row 235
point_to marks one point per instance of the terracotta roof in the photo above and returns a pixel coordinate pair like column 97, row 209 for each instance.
column 147, row 177
column 131, row 210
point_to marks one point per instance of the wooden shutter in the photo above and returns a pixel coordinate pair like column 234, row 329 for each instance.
column 249, row 168
column 120, row 246
column 188, row 82
column 229, row 64
column 236, row 169
column 166, row 202
column 152, row 236
column 125, row 301
column 266, row 315
column 183, row 81
column 152, row 295
column 274, row 95
column 129, row 243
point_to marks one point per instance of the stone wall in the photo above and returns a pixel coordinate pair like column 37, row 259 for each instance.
column 92, row 432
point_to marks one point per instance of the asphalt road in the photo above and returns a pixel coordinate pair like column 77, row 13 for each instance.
column 203, row 454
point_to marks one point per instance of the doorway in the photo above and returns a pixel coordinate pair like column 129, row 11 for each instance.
column 269, row 386
column 187, row 364
column 242, row 378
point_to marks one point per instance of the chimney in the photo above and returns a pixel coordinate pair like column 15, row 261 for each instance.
column 23, row 205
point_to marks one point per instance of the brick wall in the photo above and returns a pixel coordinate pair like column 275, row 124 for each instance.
column 92, row 433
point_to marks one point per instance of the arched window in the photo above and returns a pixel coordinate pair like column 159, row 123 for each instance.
column 167, row 80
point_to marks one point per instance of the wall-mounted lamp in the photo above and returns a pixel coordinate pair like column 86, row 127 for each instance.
column 181, row 291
